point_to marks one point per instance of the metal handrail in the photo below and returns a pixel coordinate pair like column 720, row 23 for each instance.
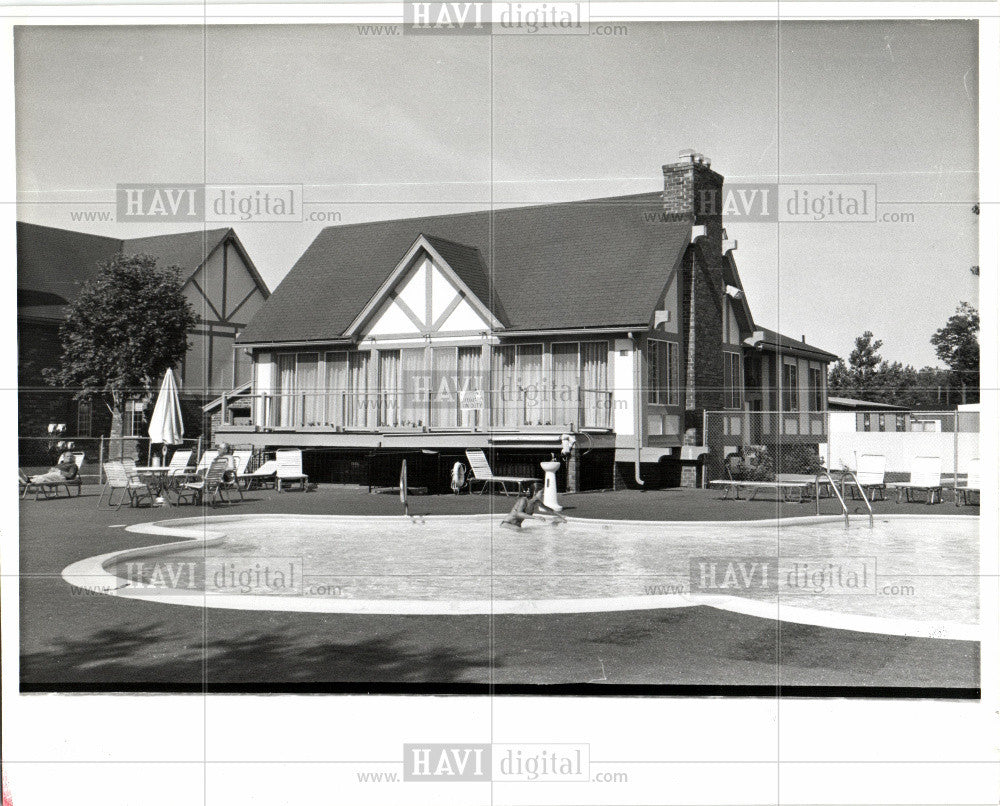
column 871, row 514
column 836, row 492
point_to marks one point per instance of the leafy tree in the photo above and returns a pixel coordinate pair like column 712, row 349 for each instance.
column 870, row 377
column 127, row 326
column 957, row 345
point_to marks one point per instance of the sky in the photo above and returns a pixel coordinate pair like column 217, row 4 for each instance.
column 380, row 127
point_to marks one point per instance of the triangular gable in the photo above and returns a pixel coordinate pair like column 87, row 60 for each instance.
column 423, row 295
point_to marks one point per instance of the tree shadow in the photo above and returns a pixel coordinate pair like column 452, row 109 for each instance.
column 287, row 654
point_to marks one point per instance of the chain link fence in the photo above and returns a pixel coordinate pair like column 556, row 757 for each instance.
column 762, row 444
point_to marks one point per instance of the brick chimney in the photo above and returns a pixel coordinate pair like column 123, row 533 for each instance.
column 692, row 191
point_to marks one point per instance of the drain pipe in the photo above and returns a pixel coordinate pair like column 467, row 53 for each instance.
column 637, row 403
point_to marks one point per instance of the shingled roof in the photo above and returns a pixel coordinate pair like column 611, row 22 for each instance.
column 598, row 263
column 53, row 264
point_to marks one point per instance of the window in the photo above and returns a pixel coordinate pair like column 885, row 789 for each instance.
column 900, row 422
column 867, row 422
column 135, row 418
column 523, row 393
column 732, row 381
column 84, row 418
column 881, row 422
column 298, row 400
column 790, row 387
column 815, row 389
column 518, row 397
column 662, row 373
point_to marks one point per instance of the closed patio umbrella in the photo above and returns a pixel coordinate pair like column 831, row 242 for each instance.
column 166, row 427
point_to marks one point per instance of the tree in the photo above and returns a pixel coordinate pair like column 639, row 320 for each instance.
column 860, row 377
column 127, row 326
column 957, row 345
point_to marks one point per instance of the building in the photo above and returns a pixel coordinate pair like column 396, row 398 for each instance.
column 221, row 283
column 621, row 321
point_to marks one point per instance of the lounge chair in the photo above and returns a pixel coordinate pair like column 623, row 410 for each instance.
column 871, row 477
column 119, row 478
column 971, row 485
column 200, row 469
column 263, row 475
column 239, row 464
column 481, row 471
column 924, row 475
column 178, row 464
column 212, row 485
column 289, row 470
column 49, row 489
column 783, row 487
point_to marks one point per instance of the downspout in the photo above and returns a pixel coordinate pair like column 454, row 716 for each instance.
column 636, row 384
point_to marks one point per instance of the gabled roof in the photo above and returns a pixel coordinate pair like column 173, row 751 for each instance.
column 598, row 263
column 53, row 264
column 185, row 249
column 772, row 340
column 470, row 267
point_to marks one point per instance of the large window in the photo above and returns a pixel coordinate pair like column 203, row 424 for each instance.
column 299, row 400
column 790, row 387
column 134, row 422
column 574, row 391
column 662, row 373
column 347, row 389
column 732, row 381
column 84, row 418
column 816, row 389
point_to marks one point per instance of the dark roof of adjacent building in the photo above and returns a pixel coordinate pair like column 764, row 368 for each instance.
column 597, row 263
column 853, row 404
column 771, row 340
column 53, row 264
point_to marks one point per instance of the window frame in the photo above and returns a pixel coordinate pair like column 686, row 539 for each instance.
column 732, row 379
column 666, row 389
column 790, row 385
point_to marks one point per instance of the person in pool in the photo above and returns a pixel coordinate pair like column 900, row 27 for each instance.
column 526, row 507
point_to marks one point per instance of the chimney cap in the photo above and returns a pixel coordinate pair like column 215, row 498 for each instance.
column 689, row 155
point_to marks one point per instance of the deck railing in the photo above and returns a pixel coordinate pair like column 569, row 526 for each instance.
column 572, row 409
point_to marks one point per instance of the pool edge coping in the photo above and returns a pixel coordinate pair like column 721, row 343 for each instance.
column 94, row 568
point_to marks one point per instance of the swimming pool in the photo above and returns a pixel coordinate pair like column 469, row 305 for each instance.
column 910, row 575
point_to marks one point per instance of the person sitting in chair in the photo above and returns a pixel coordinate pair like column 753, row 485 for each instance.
column 526, row 507
column 65, row 470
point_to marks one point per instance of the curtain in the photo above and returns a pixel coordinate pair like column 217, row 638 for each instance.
column 470, row 379
column 413, row 387
column 388, row 387
column 356, row 400
column 503, row 392
column 444, row 400
column 286, row 390
column 565, row 383
column 307, row 388
column 594, row 380
column 530, row 383
column 336, row 389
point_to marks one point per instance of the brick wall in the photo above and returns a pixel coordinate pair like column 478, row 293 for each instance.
column 692, row 192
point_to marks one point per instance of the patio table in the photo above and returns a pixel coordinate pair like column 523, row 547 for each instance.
column 159, row 473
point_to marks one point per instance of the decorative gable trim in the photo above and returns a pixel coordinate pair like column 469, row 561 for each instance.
column 386, row 293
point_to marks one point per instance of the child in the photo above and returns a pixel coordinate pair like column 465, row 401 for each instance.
column 526, row 507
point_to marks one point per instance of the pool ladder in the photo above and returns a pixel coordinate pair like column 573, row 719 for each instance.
column 840, row 498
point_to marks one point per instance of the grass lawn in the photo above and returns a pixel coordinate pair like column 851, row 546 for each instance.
column 73, row 641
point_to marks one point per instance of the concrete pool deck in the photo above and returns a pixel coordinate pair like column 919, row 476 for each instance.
column 72, row 640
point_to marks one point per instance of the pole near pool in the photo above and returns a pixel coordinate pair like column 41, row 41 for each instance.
column 402, row 490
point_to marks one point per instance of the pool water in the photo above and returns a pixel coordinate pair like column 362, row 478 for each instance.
column 913, row 568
